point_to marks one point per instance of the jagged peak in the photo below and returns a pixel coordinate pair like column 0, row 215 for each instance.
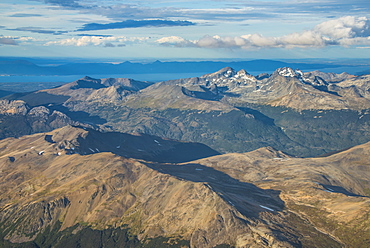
column 224, row 72
column 289, row 72
column 227, row 71
column 242, row 72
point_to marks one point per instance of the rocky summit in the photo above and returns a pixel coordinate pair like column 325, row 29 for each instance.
column 285, row 87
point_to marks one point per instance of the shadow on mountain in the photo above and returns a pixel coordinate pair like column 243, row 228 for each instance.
column 338, row 189
column 79, row 116
column 142, row 146
column 325, row 89
column 247, row 198
column 86, row 84
column 230, row 94
column 207, row 96
column 209, row 93
column 258, row 115
column 5, row 93
column 204, row 95
column 34, row 99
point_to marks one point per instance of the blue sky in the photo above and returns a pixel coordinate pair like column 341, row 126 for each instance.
column 185, row 29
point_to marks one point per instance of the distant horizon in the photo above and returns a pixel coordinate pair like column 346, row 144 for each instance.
column 152, row 60
column 46, row 72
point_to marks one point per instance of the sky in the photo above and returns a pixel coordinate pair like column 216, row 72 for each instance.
column 185, row 29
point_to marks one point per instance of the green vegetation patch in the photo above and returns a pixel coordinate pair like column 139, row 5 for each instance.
column 86, row 237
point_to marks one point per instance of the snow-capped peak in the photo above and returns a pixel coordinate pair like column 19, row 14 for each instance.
column 229, row 72
column 289, row 72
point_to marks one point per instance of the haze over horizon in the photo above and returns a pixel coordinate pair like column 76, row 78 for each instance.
column 291, row 29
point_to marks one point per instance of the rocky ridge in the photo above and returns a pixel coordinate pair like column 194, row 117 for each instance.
column 107, row 89
column 285, row 87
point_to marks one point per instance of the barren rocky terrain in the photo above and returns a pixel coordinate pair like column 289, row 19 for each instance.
column 265, row 198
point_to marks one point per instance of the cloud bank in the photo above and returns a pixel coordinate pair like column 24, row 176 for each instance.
column 25, row 15
column 345, row 31
column 232, row 10
column 64, row 3
column 38, row 30
column 134, row 24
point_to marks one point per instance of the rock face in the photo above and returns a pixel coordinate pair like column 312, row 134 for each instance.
column 13, row 107
column 17, row 118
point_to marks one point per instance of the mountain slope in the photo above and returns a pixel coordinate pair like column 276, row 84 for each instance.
column 332, row 193
column 51, row 192
column 47, row 185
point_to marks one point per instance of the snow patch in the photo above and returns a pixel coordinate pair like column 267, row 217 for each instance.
column 270, row 209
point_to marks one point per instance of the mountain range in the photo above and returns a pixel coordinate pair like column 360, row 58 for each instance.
column 302, row 114
column 227, row 159
column 26, row 66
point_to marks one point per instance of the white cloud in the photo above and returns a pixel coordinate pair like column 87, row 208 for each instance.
column 96, row 41
column 304, row 39
column 175, row 41
column 16, row 40
column 25, row 39
column 345, row 27
column 358, row 41
column 259, row 40
column 345, row 31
